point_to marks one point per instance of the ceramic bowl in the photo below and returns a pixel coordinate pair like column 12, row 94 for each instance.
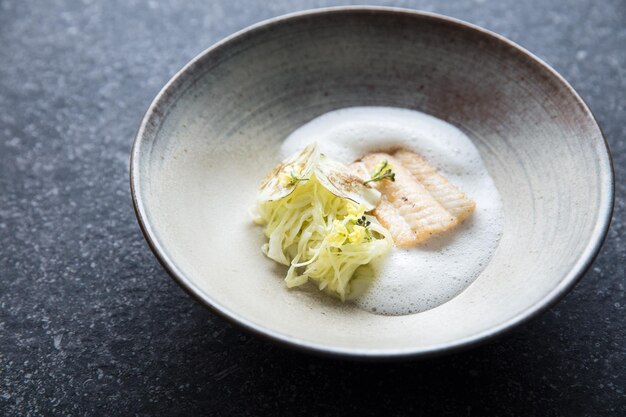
column 215, row 129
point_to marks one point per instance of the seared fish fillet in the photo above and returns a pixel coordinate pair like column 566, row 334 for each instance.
column 447, row 194
column 386, row 212
column 419, row 203
column 411, row 201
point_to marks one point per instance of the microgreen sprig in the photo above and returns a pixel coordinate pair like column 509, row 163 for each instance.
column 384, row 171
column 295, row 179
column 363, row 222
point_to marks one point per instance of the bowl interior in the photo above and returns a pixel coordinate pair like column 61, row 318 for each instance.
column 215, row 131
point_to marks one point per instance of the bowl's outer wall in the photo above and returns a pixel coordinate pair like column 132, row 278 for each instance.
column 215, row 130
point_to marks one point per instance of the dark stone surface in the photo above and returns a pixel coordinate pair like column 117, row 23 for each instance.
column 91, row 325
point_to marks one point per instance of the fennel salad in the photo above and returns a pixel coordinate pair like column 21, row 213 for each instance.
column 318, row 221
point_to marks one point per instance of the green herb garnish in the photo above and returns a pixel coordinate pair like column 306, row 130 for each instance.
column 295, row 179
column 383, row 171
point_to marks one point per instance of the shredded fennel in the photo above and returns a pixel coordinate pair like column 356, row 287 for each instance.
column 319, row 235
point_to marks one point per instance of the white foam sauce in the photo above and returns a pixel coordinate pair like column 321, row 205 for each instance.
column 420, row 278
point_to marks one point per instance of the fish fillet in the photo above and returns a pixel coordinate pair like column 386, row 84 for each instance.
column 419, row 203
column 447, row 194
column 411, row 202
column 386, row 212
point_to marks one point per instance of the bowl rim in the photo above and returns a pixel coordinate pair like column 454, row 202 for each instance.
column 583, row 263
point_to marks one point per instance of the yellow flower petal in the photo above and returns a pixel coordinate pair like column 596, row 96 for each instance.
column 355, row 211
column 338, row 236
column 285, row 179
column 358, row 235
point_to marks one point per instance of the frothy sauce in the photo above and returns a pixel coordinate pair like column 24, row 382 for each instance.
column 407, row 281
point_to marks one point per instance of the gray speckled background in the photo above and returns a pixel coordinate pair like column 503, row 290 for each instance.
column 91, row 325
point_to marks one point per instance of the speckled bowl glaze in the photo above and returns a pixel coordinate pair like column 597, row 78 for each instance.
column 215, row 129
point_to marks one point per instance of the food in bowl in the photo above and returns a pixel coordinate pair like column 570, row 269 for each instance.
column 389, row 224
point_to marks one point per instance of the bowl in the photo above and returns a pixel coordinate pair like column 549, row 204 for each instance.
column 215, row 129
